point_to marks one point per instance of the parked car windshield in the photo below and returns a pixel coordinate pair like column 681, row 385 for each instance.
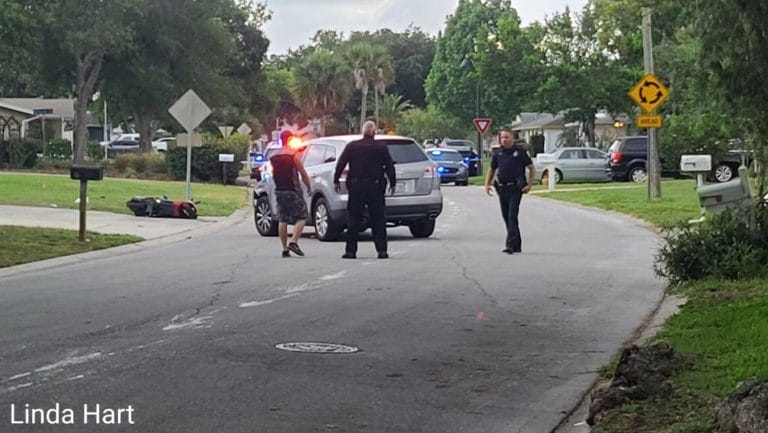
column 437, row 155
column 404, row 151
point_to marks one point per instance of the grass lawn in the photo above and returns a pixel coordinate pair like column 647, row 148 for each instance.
column 679, row 200
column 722, row 330
column 29, row 244
column 111, row 194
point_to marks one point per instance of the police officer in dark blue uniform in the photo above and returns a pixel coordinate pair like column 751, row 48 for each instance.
column 509, row 166
column 368, row 163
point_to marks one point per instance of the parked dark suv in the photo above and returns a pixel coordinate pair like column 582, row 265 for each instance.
column 627, row 158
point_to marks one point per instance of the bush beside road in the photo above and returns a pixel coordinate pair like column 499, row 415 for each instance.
column 719, row 331
column 110, row 194
column 29, row 244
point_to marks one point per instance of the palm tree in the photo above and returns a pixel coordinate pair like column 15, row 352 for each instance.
column 372, row 65
column 392, row 109
column 319, row 86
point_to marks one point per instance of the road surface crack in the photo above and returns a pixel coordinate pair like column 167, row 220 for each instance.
column 474, row 281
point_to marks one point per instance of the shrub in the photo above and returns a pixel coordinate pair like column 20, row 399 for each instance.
column 46, row 163
column 59, row 148
column 95, row 151
column 205, row 162
column 732, row 245
column 22, row 153
column 121, row 162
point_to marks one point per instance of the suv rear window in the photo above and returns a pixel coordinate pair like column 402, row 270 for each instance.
column 404, row 151
column 635, row 145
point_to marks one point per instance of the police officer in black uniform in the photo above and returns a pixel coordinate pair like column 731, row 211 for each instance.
column 509, row 165
column 368, row 163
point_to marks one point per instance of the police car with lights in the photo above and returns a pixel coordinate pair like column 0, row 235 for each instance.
column 450, row 165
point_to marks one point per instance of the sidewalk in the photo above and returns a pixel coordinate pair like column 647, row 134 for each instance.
column 100, row 222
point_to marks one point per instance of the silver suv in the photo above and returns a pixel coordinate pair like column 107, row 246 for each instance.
column 417, row 201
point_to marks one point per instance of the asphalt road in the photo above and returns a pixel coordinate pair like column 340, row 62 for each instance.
column 453, row 335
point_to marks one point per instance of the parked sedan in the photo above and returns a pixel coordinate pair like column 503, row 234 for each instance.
column 577, row 164
column 450, row 166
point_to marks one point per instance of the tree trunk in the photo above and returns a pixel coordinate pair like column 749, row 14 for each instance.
column 146, row 126
column 88, row 69
column 364, row 106
column 376, row 103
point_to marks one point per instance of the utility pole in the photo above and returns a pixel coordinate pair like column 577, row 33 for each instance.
column 653, row 166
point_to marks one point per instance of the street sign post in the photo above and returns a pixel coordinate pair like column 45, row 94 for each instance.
column 649, row 93
column 244, row 129
column 189, row 111
column 226, row 131
column 482, row 124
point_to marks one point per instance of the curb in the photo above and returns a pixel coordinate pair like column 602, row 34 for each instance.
column 236, row 217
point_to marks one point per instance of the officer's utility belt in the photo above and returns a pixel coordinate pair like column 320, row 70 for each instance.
column 366, row 180
column 509, row 186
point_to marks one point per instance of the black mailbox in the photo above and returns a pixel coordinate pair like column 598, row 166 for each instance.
column 86, row 172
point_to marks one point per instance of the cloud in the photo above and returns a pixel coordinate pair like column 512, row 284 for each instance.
column 294, row 22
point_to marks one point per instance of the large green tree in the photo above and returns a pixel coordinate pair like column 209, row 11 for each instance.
column 489, row 34
column 214, row 47
column 580, row 78
column 372, row 69
column 20, row 39
column 78, row 35
column 321, row 85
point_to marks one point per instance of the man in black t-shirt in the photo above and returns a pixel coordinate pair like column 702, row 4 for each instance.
column 509, row 166
column 291, row 208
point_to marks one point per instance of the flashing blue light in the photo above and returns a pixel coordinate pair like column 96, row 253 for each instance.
column 466, row 159
column 259, row 158
column 437, row 152
column 440, row 169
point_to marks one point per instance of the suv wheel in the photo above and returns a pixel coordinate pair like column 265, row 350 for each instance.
column 637, row 174
column 422, row 228
column 325, row 228
column 262, row 217
column 723, row 173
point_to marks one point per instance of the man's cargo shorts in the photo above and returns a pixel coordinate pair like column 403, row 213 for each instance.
column 290, row 207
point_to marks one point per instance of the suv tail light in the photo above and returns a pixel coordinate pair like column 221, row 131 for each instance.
column 428, row 172
column 344, row 174
column 615, row 157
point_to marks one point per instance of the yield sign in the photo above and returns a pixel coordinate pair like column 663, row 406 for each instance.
column 482, row 125
column 189, row 110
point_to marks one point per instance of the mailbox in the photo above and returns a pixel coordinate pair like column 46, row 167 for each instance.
column 717, row 197
column 86, row 172
column 696, row 163
column 545, row 158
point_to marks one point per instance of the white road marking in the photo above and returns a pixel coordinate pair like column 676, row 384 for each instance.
column 18, row 376
column 268, row 301
column 335, row 276
column 14, row 388
column 197, row 322
column 74, row 360
column 80, row 376
column 298, row 289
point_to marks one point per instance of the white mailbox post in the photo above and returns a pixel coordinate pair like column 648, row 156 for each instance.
column 699, row 164
column 547, row 160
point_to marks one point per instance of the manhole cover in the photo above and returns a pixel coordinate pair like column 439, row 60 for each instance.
column 317, row 347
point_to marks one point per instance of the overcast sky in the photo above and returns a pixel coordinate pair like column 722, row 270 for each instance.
column 294, row 22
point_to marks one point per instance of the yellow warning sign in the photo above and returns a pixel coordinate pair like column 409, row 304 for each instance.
column 648, row 121
column 649, row 93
